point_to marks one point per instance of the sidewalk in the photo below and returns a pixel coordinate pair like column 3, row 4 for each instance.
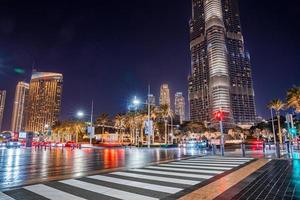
column 262, row 179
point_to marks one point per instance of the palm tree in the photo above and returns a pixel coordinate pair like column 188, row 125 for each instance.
column 129, row 124
column 118, row 124
column 277, row 105
column 76, row 128
column 165, row 110
column 139, row 120
column 102, row 120
column 293, row 98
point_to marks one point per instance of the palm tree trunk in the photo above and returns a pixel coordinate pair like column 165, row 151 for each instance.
column 76, row 137
column 279, row 129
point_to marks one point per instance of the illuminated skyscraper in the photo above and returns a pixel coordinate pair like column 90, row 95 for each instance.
column 19, row 109
column 221, row 76
column 2, row 105
column 180, row 106
column 44, row 100
column 164, row 98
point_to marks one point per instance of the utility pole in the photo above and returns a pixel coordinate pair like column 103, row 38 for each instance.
column 91, row 130
column 149, row 130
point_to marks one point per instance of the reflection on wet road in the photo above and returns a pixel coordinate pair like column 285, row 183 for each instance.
column 23, row 166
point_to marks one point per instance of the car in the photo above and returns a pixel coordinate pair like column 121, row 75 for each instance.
column 2, row 144
column 13, row 144
column 70, row 144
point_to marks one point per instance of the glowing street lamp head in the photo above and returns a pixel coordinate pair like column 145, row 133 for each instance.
column 80, row 114
column 136, row 101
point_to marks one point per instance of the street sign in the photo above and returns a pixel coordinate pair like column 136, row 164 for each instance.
column 91, row 131
column 148, row 127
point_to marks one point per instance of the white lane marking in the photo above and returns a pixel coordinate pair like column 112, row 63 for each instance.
column 186, row 170
column 195, row 167
column 5, row 197
column 172, row 173
column 204, row 164
column 157, row 178
column 51, row 193
column 159, row 188
column 106, row 190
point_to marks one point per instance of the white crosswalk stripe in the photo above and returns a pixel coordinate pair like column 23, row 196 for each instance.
column 204, row 164
column 186, row 170
column 5, row 197
column 147, row 183
column 148, row 186
column 157, row 178
column 195, row 167
column 223, row 158
column 213, row 161
column 51, row 193
column 106, row 190
column 200, row 176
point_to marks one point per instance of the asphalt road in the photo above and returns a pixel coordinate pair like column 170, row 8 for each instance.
column 23, row 166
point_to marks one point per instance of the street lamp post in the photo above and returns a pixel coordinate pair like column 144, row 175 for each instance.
column 92, row 131
column 277, row 148
column 148, row 104
column 80, row 114
column 136, row 102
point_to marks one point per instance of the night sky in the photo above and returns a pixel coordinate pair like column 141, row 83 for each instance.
column 110, row 50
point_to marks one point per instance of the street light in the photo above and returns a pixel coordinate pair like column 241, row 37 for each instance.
column 80, row 114
column 136, row 102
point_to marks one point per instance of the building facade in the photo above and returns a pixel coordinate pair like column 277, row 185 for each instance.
column 164, row 98
column 2, row 106
column 180, row 106
column 221, row 78
column 19, row 107
column 44, row 101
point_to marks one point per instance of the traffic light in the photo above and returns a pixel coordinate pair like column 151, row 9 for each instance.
column 293, row 131
column 219, row 115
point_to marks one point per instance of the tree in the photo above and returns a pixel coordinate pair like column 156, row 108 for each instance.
column 277, row 105
column 69, row 129
column 120, row 125
column 293, row 98
column 164, row 109
column 193, row 127
column 102, row 120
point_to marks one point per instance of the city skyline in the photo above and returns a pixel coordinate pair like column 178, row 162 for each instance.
column 21, row 53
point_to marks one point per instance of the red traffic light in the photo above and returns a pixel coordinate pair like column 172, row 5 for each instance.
column 219, row 115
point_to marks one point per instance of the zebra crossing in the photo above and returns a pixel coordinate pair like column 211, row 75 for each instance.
column 148, row 183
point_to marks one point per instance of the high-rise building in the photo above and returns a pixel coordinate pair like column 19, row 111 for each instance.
column 44, row 100
column 180, row 106
column 221, row 78
column 152, row 100
column 19, row 108
column 2, row 105
column 164, row 98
